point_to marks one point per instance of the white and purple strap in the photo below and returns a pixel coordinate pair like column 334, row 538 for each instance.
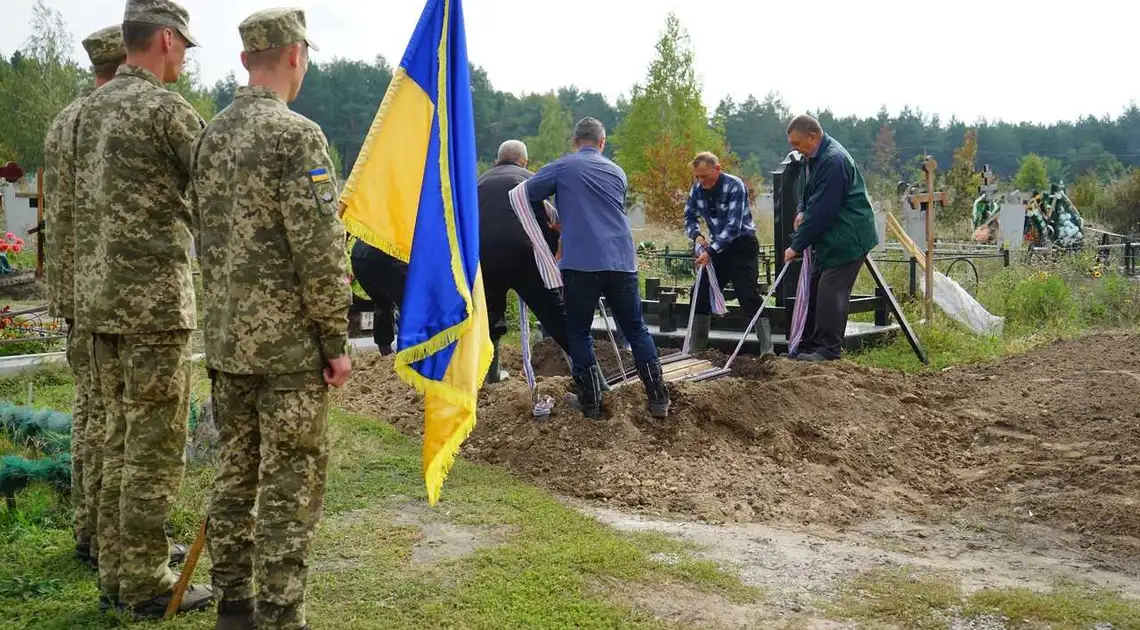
column 803, row 301
column 547, row 267
column 716, row 300
column 540, row 405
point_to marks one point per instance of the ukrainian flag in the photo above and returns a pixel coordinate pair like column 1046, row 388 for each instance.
column 412, row 193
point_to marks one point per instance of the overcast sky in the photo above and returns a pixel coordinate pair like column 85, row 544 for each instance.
column 1028, row 64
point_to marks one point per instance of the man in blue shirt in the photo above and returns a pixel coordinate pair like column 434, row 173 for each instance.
column 598, row 258
column 731, row 247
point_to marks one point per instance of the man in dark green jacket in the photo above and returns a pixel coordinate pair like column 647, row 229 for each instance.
column 836, row 221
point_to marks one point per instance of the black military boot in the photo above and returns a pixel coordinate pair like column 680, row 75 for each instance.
column 196, row 597
column 83, row 554
column 177, row 554
column 236, row 615
column 590, row 386
column 655, row 390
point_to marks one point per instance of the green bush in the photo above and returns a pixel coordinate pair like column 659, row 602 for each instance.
column 1111, row 300
column 1043, row 299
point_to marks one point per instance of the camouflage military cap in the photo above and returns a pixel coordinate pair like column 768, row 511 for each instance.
column 161, row 13
column 273, row 28
column 105, row 45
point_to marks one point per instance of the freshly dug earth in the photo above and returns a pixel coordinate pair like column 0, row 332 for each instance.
column 1050, row 438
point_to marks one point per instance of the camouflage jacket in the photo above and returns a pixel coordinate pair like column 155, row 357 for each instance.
column 274, row 275
column 59, row 200
column 132, row 219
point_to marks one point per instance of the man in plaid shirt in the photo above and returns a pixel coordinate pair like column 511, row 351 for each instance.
column 722, row 201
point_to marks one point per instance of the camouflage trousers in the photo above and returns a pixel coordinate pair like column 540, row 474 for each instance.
column 87, row 423
column 145, row 381
column 269, row 490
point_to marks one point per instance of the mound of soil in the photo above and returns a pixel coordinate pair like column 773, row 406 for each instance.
column 1051, row 437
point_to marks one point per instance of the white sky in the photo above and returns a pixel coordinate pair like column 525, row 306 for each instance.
column 1028, row 64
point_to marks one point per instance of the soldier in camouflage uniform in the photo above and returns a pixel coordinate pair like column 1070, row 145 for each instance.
column 133, row 290
column 105, row 50
column 276, row 297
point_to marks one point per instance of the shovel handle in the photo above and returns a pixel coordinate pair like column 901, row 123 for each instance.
column 187, row 573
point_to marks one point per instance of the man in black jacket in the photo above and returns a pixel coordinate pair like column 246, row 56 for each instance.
column 507, row 256
column 382, row 278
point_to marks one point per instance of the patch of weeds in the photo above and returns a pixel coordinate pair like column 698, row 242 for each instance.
column 917, row 599
column 903, row 596
column 22, row 588
column 1068, row 606
column 52, row 387
column 39, row 507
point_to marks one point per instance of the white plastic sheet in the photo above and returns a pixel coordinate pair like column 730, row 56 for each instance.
column 962, row 307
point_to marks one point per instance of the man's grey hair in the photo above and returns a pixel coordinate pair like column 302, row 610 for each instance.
column 707, row 158
column 512, row 151
column 805, row 125
column 589, row 130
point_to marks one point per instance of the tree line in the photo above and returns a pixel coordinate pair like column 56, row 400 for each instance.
column 653, row 132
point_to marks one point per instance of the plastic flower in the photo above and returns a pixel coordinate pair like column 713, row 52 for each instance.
column 19, row 241
column 17, row 247
column 9, row 236
column 3, row 247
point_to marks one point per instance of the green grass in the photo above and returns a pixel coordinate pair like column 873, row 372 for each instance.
column 910, row 598
column 537, row 569
column 1041, row 303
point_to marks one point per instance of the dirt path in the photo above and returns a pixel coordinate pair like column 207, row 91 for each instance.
column 800, row 567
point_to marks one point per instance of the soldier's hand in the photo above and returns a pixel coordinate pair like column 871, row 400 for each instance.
column 703, row 259
column 338, row 371
column 700, row 240
column 799, row 221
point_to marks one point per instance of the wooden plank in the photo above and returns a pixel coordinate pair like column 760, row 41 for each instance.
column 687, row 367
column 694, row 368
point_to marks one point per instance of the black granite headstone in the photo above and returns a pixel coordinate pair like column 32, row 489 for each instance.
column 785, row 199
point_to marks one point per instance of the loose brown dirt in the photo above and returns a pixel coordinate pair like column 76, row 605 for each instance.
column 1046, row 439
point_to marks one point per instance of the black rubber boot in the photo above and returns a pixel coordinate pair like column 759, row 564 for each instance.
column 590, row 387
column 764, row 336
column 236, row 615
column 700, row 339
column 655, row 390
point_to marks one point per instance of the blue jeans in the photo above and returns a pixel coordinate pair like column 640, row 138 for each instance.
column 582, row 289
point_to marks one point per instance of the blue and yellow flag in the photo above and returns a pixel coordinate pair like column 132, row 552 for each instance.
column 412, row 193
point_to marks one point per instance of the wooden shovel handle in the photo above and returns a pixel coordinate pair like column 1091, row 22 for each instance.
column 187, row 573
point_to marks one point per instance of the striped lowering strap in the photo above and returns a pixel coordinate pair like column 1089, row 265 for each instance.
column 547, row 267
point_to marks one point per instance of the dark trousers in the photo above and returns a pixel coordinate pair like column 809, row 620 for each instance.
column 829, row 304
column 583, row 289
column 382, row 277
column 506, row 271
column 737, row 264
